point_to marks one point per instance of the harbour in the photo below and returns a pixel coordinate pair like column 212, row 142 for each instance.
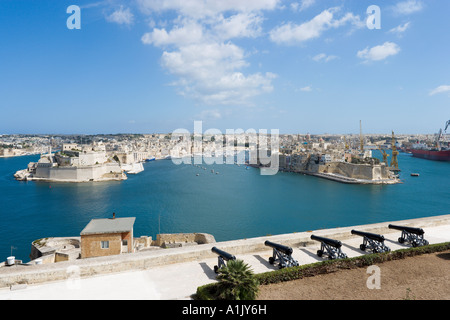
column 237, row 203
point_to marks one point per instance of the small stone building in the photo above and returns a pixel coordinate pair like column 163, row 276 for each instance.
column 105, row 237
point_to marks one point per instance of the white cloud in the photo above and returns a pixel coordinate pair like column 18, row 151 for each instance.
column 440, row 89
column 306, row 89
column 206, row 8
column 212, row 114
column 408, row 7
column 291, row 33
column 121, row 16
column 198, row 48
column 190, row 32
column 380, row 52
column 322, row 57
column 400, row 29
column 302, row 5
column 240, row 25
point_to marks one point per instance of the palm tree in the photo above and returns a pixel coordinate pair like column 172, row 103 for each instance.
column 237, row 281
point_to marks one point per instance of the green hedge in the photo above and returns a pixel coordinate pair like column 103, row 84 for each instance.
column 208, row 292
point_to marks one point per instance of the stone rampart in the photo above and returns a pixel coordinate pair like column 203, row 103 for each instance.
column 34, row 274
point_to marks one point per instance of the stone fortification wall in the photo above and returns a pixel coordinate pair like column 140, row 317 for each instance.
column 88, row 173
column 34, row 274
column 356, row 171
column 178, row 239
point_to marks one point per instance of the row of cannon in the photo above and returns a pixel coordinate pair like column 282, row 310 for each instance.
column 282, row 254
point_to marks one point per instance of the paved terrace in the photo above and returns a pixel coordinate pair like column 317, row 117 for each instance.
column 176, row 273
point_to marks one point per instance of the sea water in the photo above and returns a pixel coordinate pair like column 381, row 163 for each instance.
column 233, row 202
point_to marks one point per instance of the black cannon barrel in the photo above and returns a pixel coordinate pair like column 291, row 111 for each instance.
column 373, row 236
column 225, row 255
column 417, row 231
column 285, row 249
column 331, row 242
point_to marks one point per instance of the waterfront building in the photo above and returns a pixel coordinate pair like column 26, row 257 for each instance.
column 106, row 237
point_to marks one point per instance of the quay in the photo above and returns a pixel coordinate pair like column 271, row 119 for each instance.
column 176, row 273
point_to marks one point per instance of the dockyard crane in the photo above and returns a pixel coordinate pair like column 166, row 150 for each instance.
column 361, row 140
column 385, row 155
column 345, row 144
column 394, row 161
column 440, row 135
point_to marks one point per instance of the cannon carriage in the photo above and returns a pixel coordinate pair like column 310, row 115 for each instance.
column 372, row 241
column 281, row 254
column 330, row 247
column 223, row 256
column 411, row 235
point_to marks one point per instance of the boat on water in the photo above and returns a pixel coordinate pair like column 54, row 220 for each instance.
column 431, row 154
column 437, row 153
column 150, row 159
column 414, row 174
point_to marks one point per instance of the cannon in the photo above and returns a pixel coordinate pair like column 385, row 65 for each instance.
column 414, row 236
column 330, row 247
column 281, row 254
column 372, row 241
column 222, row 257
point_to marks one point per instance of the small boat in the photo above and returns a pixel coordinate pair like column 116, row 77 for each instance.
column 414, row 174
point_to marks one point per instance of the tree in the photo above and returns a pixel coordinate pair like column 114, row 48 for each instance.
column 237, row 282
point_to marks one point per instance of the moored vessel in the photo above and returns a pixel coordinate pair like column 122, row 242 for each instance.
column 431, row 154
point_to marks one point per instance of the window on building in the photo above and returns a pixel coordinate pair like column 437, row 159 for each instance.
column 105, row 244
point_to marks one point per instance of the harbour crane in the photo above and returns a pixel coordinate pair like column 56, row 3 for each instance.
column 345, row 144
column 385, row 155
column 361, row 140
column 440, row 135
column 394, row 160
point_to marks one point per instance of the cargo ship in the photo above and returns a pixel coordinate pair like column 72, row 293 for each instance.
column 431, row 154
column 438, row 154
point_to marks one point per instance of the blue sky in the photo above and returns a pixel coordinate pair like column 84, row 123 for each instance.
column 300, row 66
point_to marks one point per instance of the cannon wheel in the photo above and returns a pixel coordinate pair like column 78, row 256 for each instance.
column 216, row 269
column 401, row 240
column 362, row 247
column 271, row 260
column 320, row 253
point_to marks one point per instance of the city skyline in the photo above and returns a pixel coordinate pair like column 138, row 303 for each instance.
column 155, row 66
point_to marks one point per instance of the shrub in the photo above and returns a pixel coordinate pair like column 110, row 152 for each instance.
column 236, row 282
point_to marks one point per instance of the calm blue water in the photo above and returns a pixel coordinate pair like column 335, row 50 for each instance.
column 236, row 203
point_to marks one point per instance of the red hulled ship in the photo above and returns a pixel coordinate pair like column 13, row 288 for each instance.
column 430, row 154
column 437, row 154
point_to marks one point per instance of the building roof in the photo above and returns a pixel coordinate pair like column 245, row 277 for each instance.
column 117, row 225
